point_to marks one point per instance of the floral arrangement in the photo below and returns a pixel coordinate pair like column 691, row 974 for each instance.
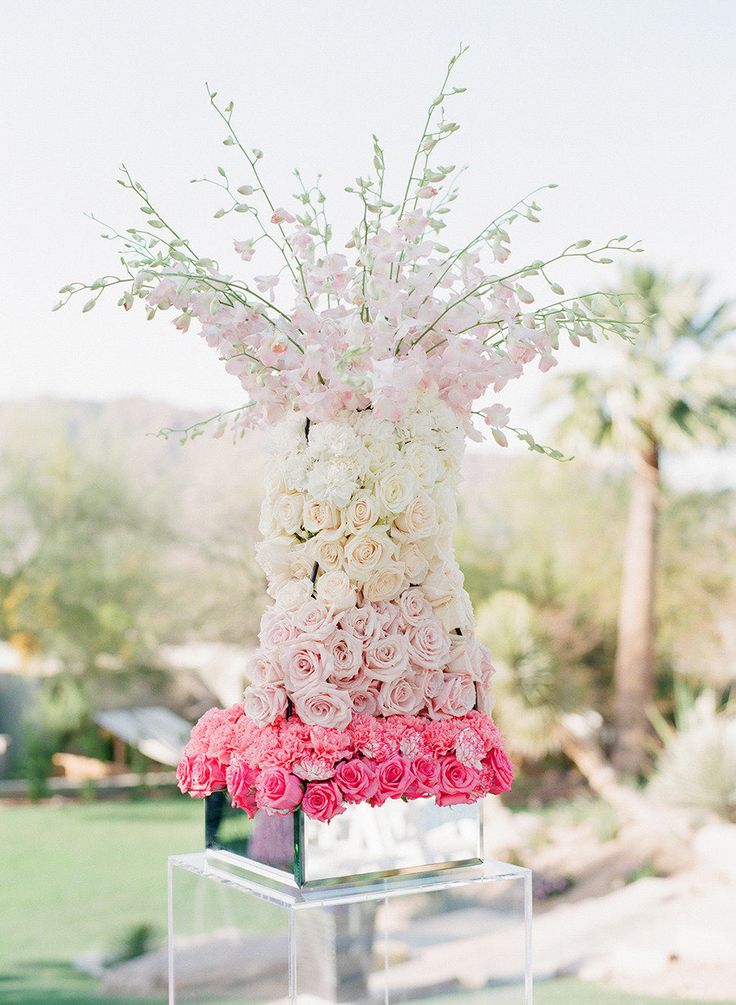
column 368, row 369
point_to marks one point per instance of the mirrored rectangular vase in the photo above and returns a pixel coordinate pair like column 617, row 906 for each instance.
column 362, row 844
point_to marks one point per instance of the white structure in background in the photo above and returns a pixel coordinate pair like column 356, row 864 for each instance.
column 221, row 667
column 158, row 733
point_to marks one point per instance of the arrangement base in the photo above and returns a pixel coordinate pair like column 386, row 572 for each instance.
column 234, row 938
column 363, row 843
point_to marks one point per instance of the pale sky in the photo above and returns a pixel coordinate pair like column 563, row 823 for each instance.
column 628, row 106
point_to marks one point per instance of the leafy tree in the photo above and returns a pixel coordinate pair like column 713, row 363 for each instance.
column 671, row 389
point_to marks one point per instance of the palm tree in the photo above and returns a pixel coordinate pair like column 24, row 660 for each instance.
column 671, row 388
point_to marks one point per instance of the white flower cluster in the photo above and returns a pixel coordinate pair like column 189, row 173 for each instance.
column 370, row 614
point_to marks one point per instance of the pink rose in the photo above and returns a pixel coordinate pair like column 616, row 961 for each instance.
column 184, row 773
column 456, row 696
column 429, row 645
column 208, row 776
column 306, row 663
column 364, row 702
column 277, row 628
column 346, row 651
column 386, row 657
column 362, row 622
column 323, row 705
column 278, row 791
column 261, row 669
column 425, row 776
column 315, row 620
column 394, row 778
column 465, row 657
column 458, row 782
column 241, row 781
column 322, row 801
column 503, row 771
column 414, row 606
column 357, row 779
column 265, row 702
column 404, row 696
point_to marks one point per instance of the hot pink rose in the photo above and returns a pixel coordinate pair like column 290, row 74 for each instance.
column 429, row 645
column 425, row 776
column 322, row 801
column 208, row 775
column 393, row 780
column 184, row 773
column 357, row 779
column 503, row 771
column 386, row 657
column 241, row 781
column 458, row 782
column 278, row 791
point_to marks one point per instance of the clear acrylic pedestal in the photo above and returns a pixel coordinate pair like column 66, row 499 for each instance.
column 235, row 936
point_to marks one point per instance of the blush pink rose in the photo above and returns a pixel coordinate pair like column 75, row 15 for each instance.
column 315, row 620
column 241, row 782
column 503, row 771
column 362, row 622
column 278, row 791
column 458, row 782
column 276, row 629
column 207, row 776
column 305, row 662
column 455, row 696
column 261, row 669
column 321, row 704
column 365, row 702
column 322, row 801
column 425, row 776
column 265, row 702
column 394, row 778
column 404, row 696
column 429, row 645
column 357, row 779
column 386, row 657
column 414, row 607
column 346, row 651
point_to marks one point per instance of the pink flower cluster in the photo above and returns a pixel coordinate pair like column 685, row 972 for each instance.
column 289, row 764
column 390, row 658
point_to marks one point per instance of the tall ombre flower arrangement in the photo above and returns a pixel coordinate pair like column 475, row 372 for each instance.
column 370, row 365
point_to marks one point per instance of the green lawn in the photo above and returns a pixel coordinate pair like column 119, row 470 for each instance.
column 77, row 878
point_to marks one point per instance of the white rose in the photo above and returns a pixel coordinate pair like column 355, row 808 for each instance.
column 415, row 561
column 320, row 515
column 362, row 512
column 274, row 556
column 265, row 702
column 445, row 501
column 301, row 563
column 326, row 549
column 382, row 456
column 287, row 511
column 368, row 551
column 423, row 461
column 396, row 489
column 418, row 521
column 294, row 593
column 385, row 583
column 336, row 591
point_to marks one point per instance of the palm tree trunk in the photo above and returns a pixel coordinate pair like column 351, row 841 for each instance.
column 634, row 679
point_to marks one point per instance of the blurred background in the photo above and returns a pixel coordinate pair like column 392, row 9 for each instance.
column 605, row 586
